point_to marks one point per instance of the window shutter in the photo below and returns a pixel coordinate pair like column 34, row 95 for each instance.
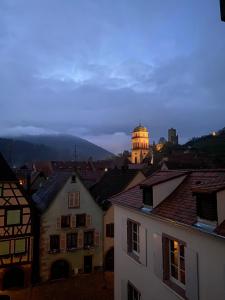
column 88, row 220
column 143, row 245
column 158, row 255
column 73, row 221
column 77, row 199
column 80, row 239
column 97, row 238
column 124, row 234
column 129, row 236
column 62, row 242
column 191, row 265
column 58, row 223
column 71, row 199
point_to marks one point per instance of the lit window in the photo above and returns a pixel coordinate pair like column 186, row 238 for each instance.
column 4, row 248
column 20, row 246
column 132, row 292
column 133, row 237
column 13, row 217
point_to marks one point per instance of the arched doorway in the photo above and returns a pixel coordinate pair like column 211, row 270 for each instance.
column 109, row 260
column 60, row 269
column 13, row 278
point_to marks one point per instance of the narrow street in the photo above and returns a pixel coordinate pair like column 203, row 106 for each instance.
column 82, row 287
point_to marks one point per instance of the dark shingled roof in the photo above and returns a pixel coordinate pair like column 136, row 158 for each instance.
column 47, row 193
column 6, row 174
column 113, row 182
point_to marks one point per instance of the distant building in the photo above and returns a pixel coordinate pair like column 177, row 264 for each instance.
column 70, row 227
column 170, row 237
column 161, row 143
column 172, row 136
column 140, row 144
column 16, row 231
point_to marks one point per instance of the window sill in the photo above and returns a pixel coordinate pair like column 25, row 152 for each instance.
column 71, row 249
column 134, row 257
column 5, row 256
column 176, row 289
column 54, row 251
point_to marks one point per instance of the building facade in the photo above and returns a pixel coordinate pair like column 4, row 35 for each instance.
column 16, row 232
column 170, row 237
column 71, row 228
column 140, row 144
column 172, row 136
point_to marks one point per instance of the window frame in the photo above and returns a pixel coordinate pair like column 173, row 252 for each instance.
column 168, row 279
column 65, row 224
column 130, row 239
column 109, row 230
column 93, row 239
column 73, row 201
column 207, row 198
column 76, row 239
column 134, row 289
column 9, row 246
column 25, row 249
column 77, row 216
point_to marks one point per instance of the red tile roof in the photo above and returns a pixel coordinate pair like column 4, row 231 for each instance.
column 180, row 205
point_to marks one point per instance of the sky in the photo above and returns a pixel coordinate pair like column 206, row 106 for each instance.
column 97, row 68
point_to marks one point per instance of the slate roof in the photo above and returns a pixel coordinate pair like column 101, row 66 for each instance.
column 47, row 193
column 112, row 182
column 6, row 174
column 180, row 205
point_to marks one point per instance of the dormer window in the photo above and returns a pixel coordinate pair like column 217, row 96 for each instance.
column 148, row 197
column 73, row 178
column 206, row 208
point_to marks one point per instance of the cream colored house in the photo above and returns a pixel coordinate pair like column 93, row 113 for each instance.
column 71, row 228
column 113, row 182
column 170, row 237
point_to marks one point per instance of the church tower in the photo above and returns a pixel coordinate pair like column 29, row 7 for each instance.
column 140, row 144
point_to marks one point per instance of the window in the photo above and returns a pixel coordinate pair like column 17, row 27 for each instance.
column 65, row 221
column 20, row 246
column 71, row 241
column 206, row 206
column 4, row 248
column 74, row 200
column 132, row 292
column 80, row 220
column 73, row 179
column 13, row 217
column 110, row 230
column 54, row 243
column 133, row 237
column 88, row 239
column 148, row 196
column 174, row 264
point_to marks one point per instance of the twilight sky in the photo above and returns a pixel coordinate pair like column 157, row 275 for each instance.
column 96, row 68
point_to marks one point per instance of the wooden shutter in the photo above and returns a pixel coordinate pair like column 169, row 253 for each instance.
column 70, row 199
column 77, row 199
column 143, row 245
column 80, row 239
column 63, row 242
column 73, row 221
column 88, row 220
column 129, row 236
column 124, row 234
column 158, row 255
column 191, row 265
column 97, row 238
column 58, row 223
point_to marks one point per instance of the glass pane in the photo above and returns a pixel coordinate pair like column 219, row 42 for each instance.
column 182, row 250
column 4, row 248
column 174, row 271
column 182, row 277
column 174, row 258
column 182, row 263
column 13, row 217
column 20, row 246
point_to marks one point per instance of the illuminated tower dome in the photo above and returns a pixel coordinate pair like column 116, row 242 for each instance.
column 140, row 144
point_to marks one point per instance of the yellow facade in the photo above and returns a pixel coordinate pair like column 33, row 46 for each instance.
column 140, row 144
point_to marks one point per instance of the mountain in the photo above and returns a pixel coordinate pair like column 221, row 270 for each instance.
column 23, row 149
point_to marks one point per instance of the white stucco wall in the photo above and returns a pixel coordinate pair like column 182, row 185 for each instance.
column 211, row 259
column 163, row 190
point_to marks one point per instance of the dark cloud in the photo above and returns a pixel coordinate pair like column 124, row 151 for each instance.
column 97, row 68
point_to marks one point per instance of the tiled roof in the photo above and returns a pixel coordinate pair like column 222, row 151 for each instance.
column 162, row 176
column 6, row 174
column 47, row 193
column 180, row 205
column 113, row 182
